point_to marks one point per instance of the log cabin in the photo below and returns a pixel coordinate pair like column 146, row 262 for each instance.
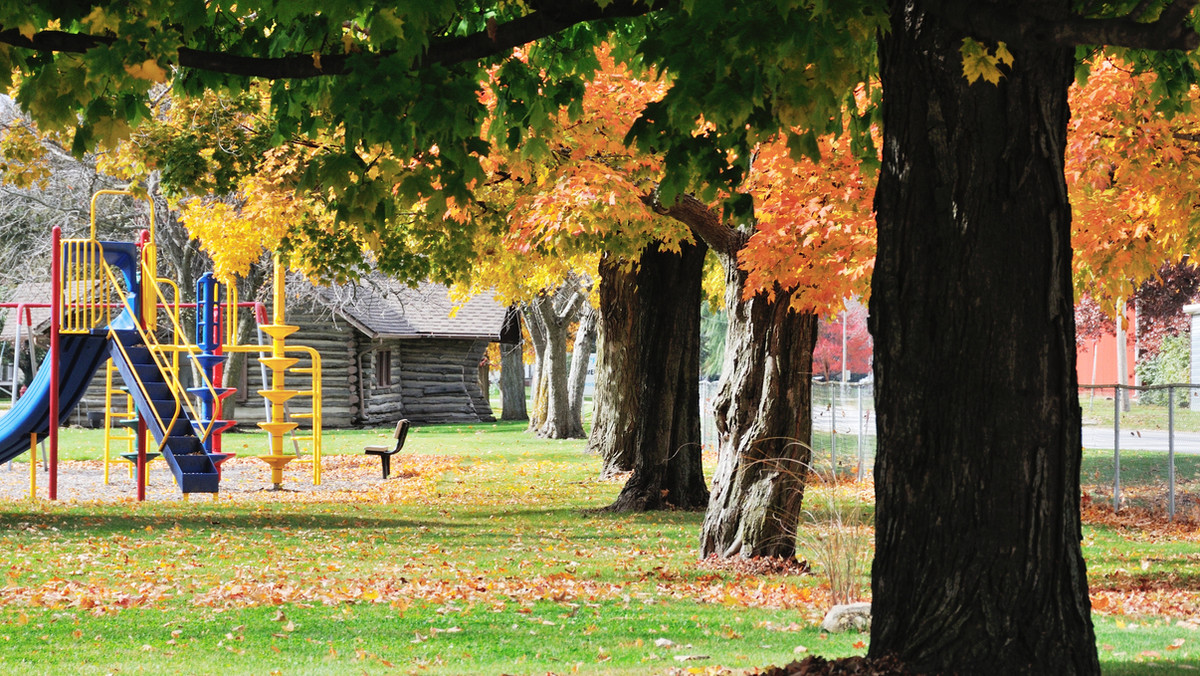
column 389, row 352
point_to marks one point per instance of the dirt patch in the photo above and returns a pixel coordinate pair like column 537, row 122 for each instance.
column 344, row 478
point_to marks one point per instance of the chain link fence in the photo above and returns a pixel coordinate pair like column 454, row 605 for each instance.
column 843, row 435
column 1142, row 447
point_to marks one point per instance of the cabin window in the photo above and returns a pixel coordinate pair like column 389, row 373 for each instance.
column 383, row 368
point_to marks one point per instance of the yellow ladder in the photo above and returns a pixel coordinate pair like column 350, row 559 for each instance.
column 119, row 423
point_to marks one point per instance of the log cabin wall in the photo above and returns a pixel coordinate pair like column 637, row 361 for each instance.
column 439, row 380
column 335, row 340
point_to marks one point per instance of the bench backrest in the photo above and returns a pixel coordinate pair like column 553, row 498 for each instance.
column 401, row 433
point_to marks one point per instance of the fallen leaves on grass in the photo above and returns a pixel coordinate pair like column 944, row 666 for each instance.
column 1149, row 524
column 848, row 666
column 754, row 567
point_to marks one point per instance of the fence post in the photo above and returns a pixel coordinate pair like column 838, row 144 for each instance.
column 1171, row 453
column 833, row 401
column 1117, row 448
column 862, row 446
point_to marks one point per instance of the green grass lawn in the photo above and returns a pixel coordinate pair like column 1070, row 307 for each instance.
column 494, row 567
column 1099, row 411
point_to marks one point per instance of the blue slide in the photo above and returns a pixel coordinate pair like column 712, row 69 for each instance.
column 81, row 355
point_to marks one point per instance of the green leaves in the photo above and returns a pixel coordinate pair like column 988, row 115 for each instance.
column 743, row 73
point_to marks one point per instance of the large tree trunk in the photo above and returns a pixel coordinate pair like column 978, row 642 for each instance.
column 978, row 567
column 665, row 412
column 764, row 425
column 763, row 407
column 614, row 416
column 512, row 383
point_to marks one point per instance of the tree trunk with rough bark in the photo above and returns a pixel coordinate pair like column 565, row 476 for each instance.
column 553, row 314
column 763, row 407
column 512, row 383
column 614, row 416
column 665, row 366
column 537, row 335
column 978, row 567
column 763, row 413
column 585, row 344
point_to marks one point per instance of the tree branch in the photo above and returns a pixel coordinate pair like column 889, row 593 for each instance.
column 1169, row 31
column 704, row 222
column 446, row 51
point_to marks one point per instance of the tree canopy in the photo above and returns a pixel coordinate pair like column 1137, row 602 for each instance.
column 394, row 101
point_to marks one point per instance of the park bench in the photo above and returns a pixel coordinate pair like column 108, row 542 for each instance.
column 385, row 453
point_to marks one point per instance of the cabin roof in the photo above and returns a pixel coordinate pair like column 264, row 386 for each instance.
column 27, row 292
column 383, row 308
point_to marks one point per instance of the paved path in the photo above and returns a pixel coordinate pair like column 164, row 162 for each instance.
column 1140, row 440
column 1095, row 437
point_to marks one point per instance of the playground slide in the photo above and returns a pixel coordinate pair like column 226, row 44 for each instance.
column 81, row 356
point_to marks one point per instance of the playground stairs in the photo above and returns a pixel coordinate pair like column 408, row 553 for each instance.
column 166, row 419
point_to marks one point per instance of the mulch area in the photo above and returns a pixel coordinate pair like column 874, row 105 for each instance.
column 847, row 666
column 343, row 477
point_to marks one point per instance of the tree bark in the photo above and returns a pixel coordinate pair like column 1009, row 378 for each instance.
column 553, row 313
column 665, row 367
column 512, row 383
column 614, row 416
column 585, row 344
column 537, row 335
column 763, row 413
column 763, row 407
column 978, row 567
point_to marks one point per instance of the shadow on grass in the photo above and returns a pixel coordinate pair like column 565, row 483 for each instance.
column 103, row 524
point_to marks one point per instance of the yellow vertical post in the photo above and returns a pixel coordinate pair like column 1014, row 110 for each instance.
column 277, row 375
column 108, row 404
column 277, row 394
column 231, row 315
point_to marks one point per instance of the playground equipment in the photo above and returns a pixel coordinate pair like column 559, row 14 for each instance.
column 92, row 278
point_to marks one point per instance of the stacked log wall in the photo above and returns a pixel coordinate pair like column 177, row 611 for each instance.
column 335, row 341
column 433, row 381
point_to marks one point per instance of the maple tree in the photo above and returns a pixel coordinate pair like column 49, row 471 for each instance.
column 581, row 210
column 812, row 230
column 1132, row 167
column 827, row 356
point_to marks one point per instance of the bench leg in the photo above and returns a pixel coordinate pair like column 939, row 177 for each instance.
column 387, row 465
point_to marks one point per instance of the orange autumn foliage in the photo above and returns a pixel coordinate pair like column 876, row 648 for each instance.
column 581, row 187
column 1132, row 172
